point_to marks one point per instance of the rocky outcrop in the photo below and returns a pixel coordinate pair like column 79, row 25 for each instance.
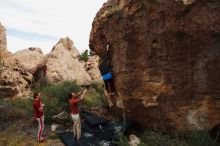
column 14, row 82
column 62, row 63
column 166, row 58
column 92, row 68
column 3, row 43
column 28, row 58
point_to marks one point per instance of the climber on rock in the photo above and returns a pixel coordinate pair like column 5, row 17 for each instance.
column 105, row 68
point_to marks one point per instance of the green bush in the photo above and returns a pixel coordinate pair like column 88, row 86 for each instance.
column 12, row 110
column 60, row 90
column 24, row 104
column 159, row 138
column 55, row 97
column 200, row 138
column 84, row 56
column 122, row 140
column 112, row 11
column 99, row 87
column 162, row 138
column 95, row 97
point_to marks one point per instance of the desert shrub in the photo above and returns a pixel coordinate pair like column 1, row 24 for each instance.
column 95, row 97
column 60, row 90
column 122, row 140
column 24, row 104
column 161, row 138
column 55, row 97
column 84, row 56
column 200, row 138
column 9, row 111
column 191, row 138
column 112, row 11
column 99, row 87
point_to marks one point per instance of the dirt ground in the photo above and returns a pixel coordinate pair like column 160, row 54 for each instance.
column 21, row 134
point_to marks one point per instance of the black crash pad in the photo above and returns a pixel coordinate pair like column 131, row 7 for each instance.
column 68, row 139
column 93, row 119
column 95, row 131
column 108, row 131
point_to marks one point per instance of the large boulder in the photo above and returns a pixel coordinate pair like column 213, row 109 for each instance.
column 15, row 82
column 166, row 58
column 28, row 58
column 62, row 63
column 92, row 68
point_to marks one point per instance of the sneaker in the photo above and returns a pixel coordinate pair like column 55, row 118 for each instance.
column 42, row 140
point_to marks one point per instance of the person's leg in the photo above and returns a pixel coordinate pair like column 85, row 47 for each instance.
column 78, row 129
column 74, row 124
column 112, row 86
column 74, row 129
column 108, row 92
column 106, row 85
column 40, row 127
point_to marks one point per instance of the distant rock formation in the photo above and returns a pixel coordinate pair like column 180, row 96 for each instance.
column 15, row 82
column 28, row 58
column 166, row 58
column 3, row 43
column 92, row 67
column 62, row 63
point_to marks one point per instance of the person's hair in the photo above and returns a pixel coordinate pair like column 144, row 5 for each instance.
column 70, row 95
column 35, row 94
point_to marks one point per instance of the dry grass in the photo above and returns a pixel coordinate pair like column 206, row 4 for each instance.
column 15, row 137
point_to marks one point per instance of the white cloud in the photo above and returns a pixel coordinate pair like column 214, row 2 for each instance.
column 21, row 44
column 56, row 18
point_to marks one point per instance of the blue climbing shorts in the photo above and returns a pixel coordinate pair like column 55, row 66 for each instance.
column 107, row 76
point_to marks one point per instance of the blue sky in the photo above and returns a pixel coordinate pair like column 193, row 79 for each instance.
column 41, row 23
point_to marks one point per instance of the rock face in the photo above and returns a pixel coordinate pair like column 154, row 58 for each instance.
column 92, row 68
column 166, row 58
column 62, row 63
column 28, row 58
column 14, row 82
column 3, row 44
